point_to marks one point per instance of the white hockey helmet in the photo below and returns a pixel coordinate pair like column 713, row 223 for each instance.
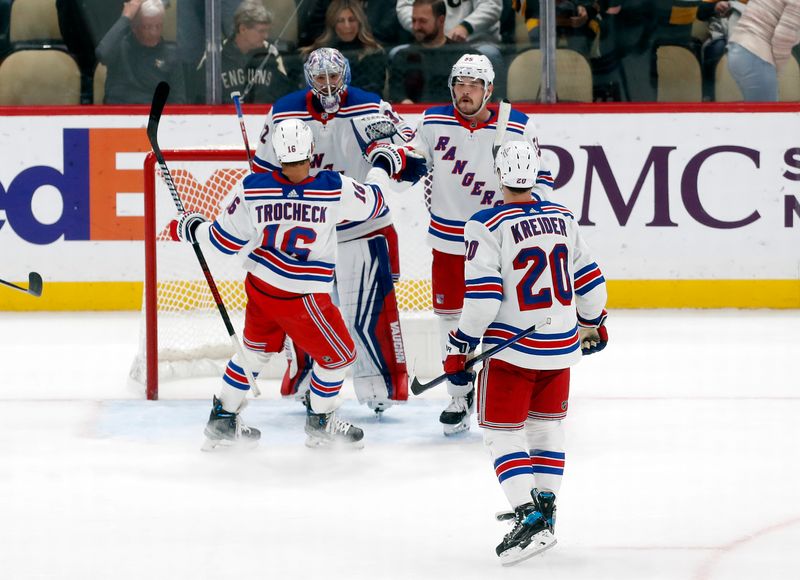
column 517, row 165
column 327, row 73
column 293, row 141
column 473, row 66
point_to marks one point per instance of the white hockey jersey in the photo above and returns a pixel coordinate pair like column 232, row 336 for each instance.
column 527, row 263
column 461, row 169
column 293, row 225
column 335, row 145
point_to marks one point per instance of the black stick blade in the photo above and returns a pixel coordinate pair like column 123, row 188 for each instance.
column 160, row 97
column 34, row 284
column 417, row 387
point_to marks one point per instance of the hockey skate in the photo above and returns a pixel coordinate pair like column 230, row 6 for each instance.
column 226, row 429
column 546, row 500
column 530, row 536
column 456, row 417
column 325, row 430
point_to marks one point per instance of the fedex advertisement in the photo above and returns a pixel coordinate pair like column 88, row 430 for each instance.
column 696, row 208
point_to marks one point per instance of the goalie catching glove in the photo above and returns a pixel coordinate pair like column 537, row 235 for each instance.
column 183, row 228
column 459, row 348
column 401, row 162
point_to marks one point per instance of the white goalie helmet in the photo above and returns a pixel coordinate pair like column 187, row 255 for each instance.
column 517, row 165
column 327, row 73
column 293, row 141
column 473, row 66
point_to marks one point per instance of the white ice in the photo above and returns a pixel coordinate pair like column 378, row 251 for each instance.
column 682, row 463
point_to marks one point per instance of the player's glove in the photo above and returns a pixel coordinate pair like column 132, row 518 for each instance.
column 399, row 161
column 459, row 348
column 183, row 228
column 593, row 339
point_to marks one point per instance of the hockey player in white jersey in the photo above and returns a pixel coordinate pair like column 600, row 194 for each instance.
column 526, row 264
column 291, row 216
column 456, row 141
column 369, row 259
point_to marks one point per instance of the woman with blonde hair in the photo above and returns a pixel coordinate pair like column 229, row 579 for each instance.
column 348, row 31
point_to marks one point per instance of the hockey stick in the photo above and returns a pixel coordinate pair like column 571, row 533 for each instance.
column 156, row 109
column 34, row 285
column 503, row 112
column 237, row 102
column 418, row 388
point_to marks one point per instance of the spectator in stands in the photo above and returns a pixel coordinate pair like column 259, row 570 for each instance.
column 381, row 15
column 721, row 16
column 248, row 57
column 467, row 20
column 347, row 30
column 137, row 57
column 419, row 72
column 572, row 23
column 761, row 44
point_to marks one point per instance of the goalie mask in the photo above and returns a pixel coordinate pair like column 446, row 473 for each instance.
column 517, row 165
column 327, row 73
column 292, row 141
column 472, row 68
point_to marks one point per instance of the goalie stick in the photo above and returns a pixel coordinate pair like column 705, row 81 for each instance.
column 503, row 113
column 419, row 388
column 34, row 285
column 156, row 109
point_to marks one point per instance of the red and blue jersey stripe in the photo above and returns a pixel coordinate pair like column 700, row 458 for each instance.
column 224, row 241
column 450, row 230
column 535, row 344
column 489, row 287
column 292, row 268
column 587, row 278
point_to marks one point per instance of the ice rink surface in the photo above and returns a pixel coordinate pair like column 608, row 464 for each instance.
column 682, row 463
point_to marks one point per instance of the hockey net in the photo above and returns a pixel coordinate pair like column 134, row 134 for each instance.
column 182, row 334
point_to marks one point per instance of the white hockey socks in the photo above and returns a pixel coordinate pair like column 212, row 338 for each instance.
column 512, row 464
column 546, row 446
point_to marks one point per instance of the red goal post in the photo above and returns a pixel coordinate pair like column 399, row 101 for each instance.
column 181, row 332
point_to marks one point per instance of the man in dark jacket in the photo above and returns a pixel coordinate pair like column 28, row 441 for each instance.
column 137, row 56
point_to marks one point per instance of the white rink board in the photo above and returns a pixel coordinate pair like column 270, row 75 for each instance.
column 760, row 176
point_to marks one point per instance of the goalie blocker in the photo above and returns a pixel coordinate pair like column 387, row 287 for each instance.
column 364, row 284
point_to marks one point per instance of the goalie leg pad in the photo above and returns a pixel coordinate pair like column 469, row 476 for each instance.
column 298, row 371
column 367, row 299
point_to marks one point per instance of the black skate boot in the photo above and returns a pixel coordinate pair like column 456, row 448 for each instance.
column 324, row 429
column 530, row 536
column 456, row 417
column 545, row 501
column 546, row 504
column 226, row 429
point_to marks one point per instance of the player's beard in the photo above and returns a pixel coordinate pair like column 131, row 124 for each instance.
column 468, row 107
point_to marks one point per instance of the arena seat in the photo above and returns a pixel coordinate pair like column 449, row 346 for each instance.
column 679, row 77
column 573, row 76
column 44, row 76
column 99, row 83
column 34, row 20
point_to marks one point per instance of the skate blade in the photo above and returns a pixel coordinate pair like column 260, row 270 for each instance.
column 450, row 430
column 319, row 443
column 227, row 445
column 540, row 543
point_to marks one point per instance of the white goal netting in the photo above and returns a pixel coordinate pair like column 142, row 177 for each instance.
column 180, row 320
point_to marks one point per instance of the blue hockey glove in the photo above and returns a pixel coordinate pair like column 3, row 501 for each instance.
column 459, row 347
